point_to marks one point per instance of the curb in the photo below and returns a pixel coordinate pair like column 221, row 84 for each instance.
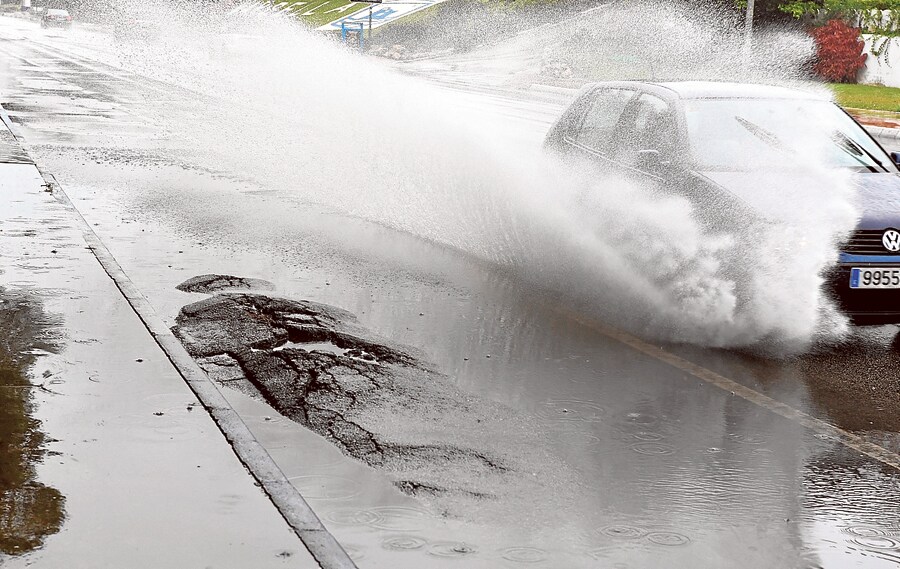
column 323, row 546
column 882, row 131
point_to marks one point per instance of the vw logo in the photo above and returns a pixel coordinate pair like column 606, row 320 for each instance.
column 891, row 240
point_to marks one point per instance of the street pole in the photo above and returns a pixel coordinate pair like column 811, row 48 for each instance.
column 748, row 33
column 370, row 22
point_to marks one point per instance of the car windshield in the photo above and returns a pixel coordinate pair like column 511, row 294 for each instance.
column 753, row 134
column 57, row 13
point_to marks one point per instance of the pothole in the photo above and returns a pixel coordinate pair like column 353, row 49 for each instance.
column 373, row 399
column 214, row 283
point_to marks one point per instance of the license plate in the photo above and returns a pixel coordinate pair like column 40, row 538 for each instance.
column 874, row 278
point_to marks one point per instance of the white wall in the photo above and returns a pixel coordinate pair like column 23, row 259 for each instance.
column 877, row 69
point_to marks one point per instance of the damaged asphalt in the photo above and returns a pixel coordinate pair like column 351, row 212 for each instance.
column 101, row 449
column 316, row 365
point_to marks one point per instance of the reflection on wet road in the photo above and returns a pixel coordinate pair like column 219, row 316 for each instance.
column 657, row 466
column 29, row 510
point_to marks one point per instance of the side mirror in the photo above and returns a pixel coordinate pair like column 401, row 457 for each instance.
column 651, row 161
column 895, row 156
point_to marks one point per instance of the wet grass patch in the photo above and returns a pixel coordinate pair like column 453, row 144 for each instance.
column 869, row 97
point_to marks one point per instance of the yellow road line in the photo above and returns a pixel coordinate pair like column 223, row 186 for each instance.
column 819, row 426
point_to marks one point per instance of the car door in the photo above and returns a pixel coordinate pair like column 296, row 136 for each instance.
column 593, row 138
column 646, row 139
column 649, row 149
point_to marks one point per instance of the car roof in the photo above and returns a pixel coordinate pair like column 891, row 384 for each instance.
column 721, row 90
column 57, row 11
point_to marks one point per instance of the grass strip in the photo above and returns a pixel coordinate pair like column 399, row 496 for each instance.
column 871, row 97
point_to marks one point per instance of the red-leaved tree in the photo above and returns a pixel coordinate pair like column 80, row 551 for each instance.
column 839, row 52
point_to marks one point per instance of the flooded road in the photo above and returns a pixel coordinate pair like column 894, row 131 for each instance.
column 102, row 445
column 644, row 455
column 29, row 510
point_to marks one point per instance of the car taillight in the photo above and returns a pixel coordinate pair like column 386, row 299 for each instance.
column 69, row 18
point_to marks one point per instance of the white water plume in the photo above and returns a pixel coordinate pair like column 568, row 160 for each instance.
column 296, row 111
column 645, row 39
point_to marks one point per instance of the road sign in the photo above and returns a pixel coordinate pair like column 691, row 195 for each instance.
column 384, row 13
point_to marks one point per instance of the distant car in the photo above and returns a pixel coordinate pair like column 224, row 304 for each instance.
column 56, row 18
column 711, row 141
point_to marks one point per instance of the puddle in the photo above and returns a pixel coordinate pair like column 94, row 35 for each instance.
column 327, row 347
column 396, row 518
column 404, row 543
column 451, row 549
column 653, row 448
column 670, row 539
column 29, row 510
column 623, row 532
column 326, row 487
column 524, row 554
column 571, row 410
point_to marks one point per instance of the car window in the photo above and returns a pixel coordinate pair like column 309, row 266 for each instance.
column 57, row 13
column 755, row 134
column 649, row 124
column 602, row 116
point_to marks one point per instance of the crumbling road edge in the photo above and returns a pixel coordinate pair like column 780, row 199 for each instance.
column 323, row 546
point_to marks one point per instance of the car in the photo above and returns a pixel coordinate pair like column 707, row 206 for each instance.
column 56, row 18
column 711, row 142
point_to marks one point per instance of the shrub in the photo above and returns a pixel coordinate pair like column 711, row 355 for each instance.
column 839, row 51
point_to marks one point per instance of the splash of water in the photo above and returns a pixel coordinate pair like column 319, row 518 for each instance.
column 681, row 41
column 288, row 107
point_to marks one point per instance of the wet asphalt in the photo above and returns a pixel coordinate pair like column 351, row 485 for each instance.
column 106, row 457
column 652, row 456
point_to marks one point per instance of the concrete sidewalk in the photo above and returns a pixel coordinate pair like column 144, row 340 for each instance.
column 879, row 123
column 108, row 458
